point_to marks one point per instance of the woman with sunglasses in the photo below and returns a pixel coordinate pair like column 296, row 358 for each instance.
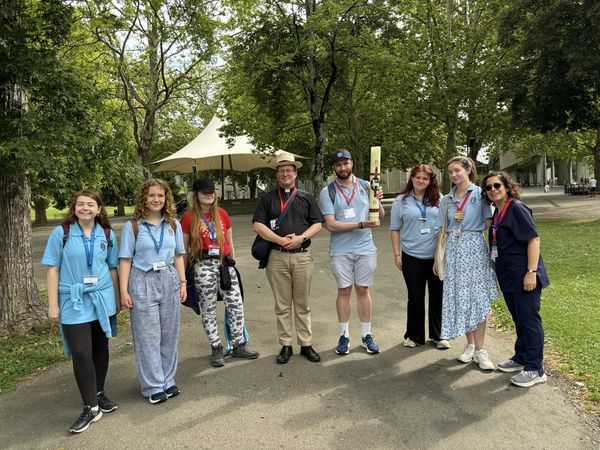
column 208, row 239
column 469, row 281
column 415, row 225
column 515, row 248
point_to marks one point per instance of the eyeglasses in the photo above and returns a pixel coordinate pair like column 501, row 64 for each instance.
column 489, row 187
column 207, row 191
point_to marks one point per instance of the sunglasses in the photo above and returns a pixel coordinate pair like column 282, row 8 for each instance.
column 489, row 187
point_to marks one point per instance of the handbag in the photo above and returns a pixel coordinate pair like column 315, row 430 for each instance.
column 261, row 248
column 192, row 300
column 440, row 249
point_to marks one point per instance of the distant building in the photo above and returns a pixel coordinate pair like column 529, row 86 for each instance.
column 537, row 170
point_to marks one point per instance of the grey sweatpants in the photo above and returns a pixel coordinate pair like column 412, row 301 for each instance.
column 155, row 327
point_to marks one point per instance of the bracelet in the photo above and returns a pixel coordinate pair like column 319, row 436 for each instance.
column 531, row 271
column 183, row 281
column 360, row 225
column 396, row 256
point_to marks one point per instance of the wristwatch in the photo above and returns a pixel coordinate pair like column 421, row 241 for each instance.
column 304, row 238
column 531, row 271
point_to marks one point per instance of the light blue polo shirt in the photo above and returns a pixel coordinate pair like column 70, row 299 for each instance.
column 143, row 252
column 476, row 211
column 354, row 241
column 418, row 238
column 81, row 303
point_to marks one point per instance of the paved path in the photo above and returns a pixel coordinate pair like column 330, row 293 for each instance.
column 402, row 398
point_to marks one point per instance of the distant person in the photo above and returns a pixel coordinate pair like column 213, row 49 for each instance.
column 345, row 207
column 515, row 248
column 152, row 286
column 290, row 265
column 83, row 297
column 415, row 225
column 546, row 188
column 593, row 184
column 208, row 239
column 469, row 280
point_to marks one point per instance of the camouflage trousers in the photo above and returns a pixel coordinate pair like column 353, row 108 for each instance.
column 207, row 282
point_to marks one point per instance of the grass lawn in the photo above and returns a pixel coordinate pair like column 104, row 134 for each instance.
column 56, row 214
column 570, row 310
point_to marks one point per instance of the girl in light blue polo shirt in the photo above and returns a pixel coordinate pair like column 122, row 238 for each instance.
column 469, row 280
column 81, row 256
column 152, row 285
column 415, row 225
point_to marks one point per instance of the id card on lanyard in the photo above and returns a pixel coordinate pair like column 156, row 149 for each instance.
column 158, row 264
column 459, row 215
column 90, row 278
column 349, row 212
column 496, row 219
column 422, row 206
column 213, row 248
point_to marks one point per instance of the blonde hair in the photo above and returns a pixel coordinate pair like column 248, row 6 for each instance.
column 467, row 163
column 195, row 244
column 141, row 206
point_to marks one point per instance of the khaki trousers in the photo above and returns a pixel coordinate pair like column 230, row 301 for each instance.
column 290, row 276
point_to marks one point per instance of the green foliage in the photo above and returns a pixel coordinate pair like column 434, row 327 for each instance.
column 570, row 311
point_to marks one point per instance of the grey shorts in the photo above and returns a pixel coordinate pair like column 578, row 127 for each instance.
column 353, row 268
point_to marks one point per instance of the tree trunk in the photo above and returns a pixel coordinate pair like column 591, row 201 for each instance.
column 596, row 154
column 252, row 185
column 449, row 152
column 21, row 306
column 39, row 206
column 120, row 207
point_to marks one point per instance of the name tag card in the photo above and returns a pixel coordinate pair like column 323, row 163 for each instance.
column 494, row 253
column 426, row 230
column 90, row 280
column 159, row 265
column 349, row 213
column 274, row 224
column 213, row 250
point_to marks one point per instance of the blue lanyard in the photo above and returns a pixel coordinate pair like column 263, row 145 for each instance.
column 89, row 251
column 157, row 245
column 211, row 227
column 423, row 209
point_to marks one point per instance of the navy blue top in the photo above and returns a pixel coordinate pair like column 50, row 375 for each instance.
column 512, row 235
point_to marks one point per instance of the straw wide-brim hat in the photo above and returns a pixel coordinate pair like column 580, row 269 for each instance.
column 286, row 159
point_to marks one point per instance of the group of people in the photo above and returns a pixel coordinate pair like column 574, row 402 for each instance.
column 86, row 292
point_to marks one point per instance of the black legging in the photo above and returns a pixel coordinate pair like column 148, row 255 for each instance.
column 89, row 349
column 418, row 273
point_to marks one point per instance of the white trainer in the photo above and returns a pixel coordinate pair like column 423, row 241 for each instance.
column 468, row 354
column 408, row 342
column 442, row 344
column 483, row 359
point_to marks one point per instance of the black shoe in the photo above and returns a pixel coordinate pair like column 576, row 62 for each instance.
column 309, row 353
column 244, row 351
column 173, row 391
column 159, row 397
column 87, row 416
column 217, row 360
column 285, row 354
column 105, row 403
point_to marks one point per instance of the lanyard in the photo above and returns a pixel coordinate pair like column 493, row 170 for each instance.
column 464, row 202
column 210, row 226
column 339, row 188
column 422, row 209
column 281, row 202
column 497, row 219
column 89, row 251
column 157, row 245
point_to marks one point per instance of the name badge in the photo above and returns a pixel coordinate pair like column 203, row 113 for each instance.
column 349, row 213
column 275, row 224
column 426, row 230
column 213, row 250
column 494, row 253
column 90, row 280
column 159, row 265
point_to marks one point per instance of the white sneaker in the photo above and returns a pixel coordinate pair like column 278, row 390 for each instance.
column 528, row 378
column 468, row 354
column 442, row 344
column 510, row 366
column 483, row 359
column 409, row 343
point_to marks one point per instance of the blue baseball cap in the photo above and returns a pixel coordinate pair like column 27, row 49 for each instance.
column 340, row 154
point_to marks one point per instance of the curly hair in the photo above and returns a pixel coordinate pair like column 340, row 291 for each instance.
column 141, row 205
column 101, row 218
column 467, row 163
column 512, row 188
column 432, row 191
column 197, row 225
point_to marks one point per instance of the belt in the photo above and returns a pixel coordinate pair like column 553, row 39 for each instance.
column 295, row 250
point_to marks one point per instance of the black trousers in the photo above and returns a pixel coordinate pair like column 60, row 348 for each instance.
column 418, row 273
column 89, row 349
